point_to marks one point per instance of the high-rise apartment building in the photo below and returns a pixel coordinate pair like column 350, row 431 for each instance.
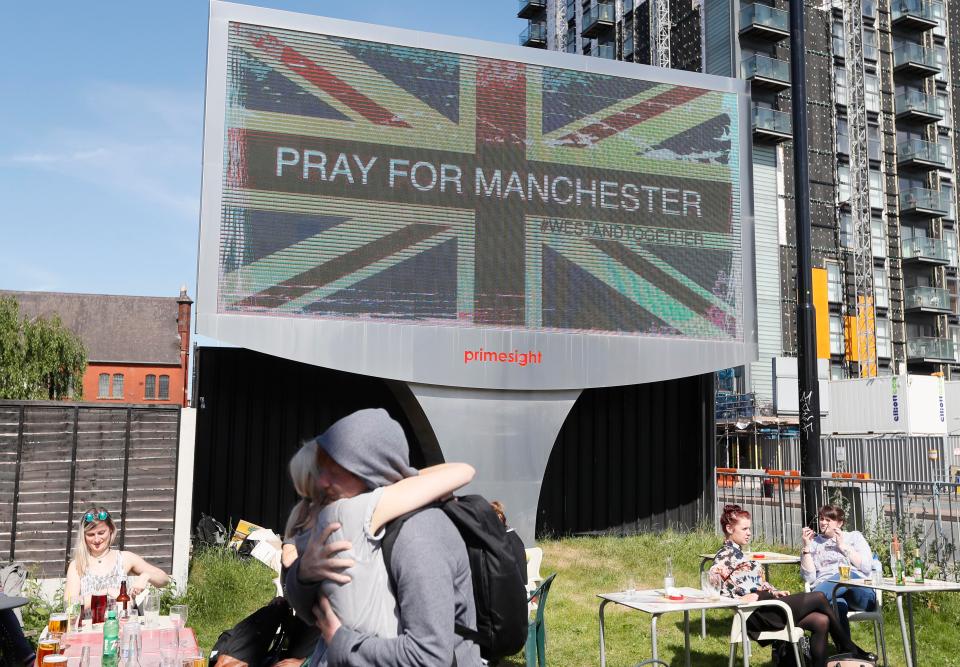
column 883, row 209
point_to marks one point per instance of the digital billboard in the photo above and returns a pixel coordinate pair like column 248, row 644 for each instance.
column 393, row 195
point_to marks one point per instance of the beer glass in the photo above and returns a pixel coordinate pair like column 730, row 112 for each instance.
column 844, row 571
column 57, row 624
column 98, row 605
column 45, row 648
column 54, row 660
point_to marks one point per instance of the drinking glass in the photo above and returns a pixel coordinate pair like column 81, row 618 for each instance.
column 151, row 608
column 98, row 607
column 86, row 617
column 631, row 587
column 45, row 648
column 169, row 639
column 844, row 571
column 178, row 616
column 54, row 660
column 706, row 585
column 57, row 624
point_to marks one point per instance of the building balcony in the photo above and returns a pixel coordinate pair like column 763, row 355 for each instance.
column 920, row 154
column 605, row 51
column 923, row 250
column 926, row 300
column 531, row 8
column 598, row 20
column 915, row 14
column 870, row 10
column 916, row 61
column 765, row 72
column 931, row 350
column 764, row 22
column 770, row 125
column 535, row 35
column 923, row 203
column 918, row 107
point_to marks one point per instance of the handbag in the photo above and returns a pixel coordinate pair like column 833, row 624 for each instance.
column 847, row 660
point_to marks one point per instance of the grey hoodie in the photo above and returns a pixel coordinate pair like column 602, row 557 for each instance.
column 430, row 569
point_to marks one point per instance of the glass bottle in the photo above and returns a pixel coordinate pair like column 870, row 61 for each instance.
column 123, row 600
column 917, row 567
column 668, row 581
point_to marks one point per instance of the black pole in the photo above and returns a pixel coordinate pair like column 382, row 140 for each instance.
column 806, row 319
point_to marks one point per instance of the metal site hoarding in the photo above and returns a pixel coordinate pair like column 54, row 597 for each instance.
column 453, row 212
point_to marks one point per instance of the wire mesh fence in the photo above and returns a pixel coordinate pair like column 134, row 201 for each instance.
column 925, row 515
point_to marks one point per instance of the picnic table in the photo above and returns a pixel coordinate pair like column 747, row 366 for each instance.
column 655, row 603
column 73, row 643
column 904, row 591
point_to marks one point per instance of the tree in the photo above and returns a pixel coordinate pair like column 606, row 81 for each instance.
column 39, row 358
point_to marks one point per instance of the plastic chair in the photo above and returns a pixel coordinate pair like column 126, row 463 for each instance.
column 875, row 616
column 534, row 558
column 536, row 648
column 789, row 633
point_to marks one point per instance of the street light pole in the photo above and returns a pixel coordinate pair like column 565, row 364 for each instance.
column 809, row 391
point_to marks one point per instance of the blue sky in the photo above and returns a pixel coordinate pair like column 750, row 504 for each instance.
column 102, row 116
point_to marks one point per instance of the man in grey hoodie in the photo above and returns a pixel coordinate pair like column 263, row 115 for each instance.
column 429, row 567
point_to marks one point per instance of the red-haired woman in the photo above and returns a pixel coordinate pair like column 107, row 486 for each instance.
column 738, row 577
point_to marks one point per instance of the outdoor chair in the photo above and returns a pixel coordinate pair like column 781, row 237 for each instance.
column 875, row 616
column 536, row 648
column 534, row 558
column 790, row 632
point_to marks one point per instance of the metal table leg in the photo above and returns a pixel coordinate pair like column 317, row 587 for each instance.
column 686, row 635
column 653, row 635
column 703, row 612
column 907, row 653
column 913, row 637
column 603, row 653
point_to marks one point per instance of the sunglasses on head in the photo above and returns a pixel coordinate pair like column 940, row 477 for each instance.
column 99, row 515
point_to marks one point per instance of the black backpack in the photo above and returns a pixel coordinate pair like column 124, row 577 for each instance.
column 209, row 532
column 498, row 587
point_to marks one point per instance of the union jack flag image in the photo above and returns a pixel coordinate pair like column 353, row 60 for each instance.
column 384, row 182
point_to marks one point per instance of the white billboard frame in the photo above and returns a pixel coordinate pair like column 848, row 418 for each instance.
column 435, row 354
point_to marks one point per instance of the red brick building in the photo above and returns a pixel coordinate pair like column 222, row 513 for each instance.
column 138, row 346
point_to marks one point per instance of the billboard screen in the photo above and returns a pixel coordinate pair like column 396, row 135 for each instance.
column 368, row 182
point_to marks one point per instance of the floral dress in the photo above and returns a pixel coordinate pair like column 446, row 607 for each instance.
column 734, row 575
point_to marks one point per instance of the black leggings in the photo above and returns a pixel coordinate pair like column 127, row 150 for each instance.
column 812, row 612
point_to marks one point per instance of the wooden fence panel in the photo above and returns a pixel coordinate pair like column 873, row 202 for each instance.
column 75, row 456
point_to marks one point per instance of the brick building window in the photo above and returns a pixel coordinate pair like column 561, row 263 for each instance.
column 150, row 387
column 117, row 385
column 164, row 388
column 103, row 385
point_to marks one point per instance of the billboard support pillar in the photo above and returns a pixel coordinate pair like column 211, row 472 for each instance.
column 506, row 435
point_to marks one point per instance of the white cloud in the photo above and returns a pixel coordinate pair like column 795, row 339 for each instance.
column 128, row 141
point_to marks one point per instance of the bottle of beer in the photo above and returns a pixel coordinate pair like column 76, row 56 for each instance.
column 917, row 567
column 898, row 561
column 123, row 600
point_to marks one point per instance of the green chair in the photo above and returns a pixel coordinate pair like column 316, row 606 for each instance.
column 536, row 648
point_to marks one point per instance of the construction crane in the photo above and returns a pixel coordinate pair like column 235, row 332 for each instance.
column 860, row 192
column 659, row 11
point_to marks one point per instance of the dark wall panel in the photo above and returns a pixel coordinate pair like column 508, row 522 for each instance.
column 254, row 410
column 631, row 459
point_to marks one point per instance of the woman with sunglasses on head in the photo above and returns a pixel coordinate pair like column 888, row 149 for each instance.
column 98, row 569
column 738, row 577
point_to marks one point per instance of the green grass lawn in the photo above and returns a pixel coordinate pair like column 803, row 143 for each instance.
column 587, row 566
column 223, row 590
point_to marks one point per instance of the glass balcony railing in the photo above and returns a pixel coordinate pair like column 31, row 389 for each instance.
column 939, row 349
column 529, row 8
column 598, row 18
column 922, row 152
column 627, row 6
column 535, row 34
column 766, row 68
column 870, row 9
column 605, row 51
column 915, row 102
column 924, row 201
column 628, row 47
column 923, row 248
column 772, row 121
column 927, row 298
column 916, row 57
column 922, row 13
column 766, row 19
